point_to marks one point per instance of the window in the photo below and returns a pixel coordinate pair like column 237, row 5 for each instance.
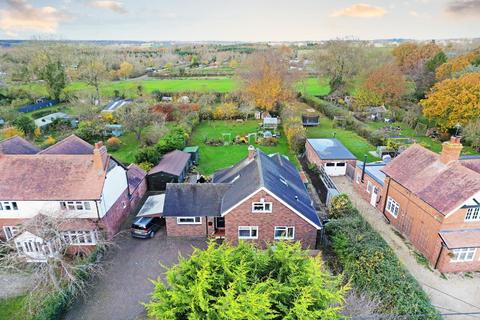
column 80, row 237
column 8, row 205
column 75, row 205
column 189, row 220
column 463, row 255
column 340, row 164
column 247, row 232
column 10, row 232
column 473, row 214
column 330, row 164
column 287, row 233
column 393, row 207
column 369, row 187
column 259, row 207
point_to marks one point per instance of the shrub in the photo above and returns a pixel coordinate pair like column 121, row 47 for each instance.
column 145, row 166
column 49, row 141
column 148, row 154
column 175, row 139
column 243, row 282
column 25, row 123
column 12, row 131
column 341, row 206
column 113, row 143
column 374, row 268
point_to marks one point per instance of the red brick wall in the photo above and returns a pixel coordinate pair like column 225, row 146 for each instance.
column 115, row 216
column 313, row 157
column 446, row 265
column 137, row 194
column 281, row 216
column 361, row 188
column 187, row 230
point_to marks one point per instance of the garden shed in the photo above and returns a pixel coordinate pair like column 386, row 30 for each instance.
column 173, row 168
column 310, row 120
column 270, row 123
column 194, row 154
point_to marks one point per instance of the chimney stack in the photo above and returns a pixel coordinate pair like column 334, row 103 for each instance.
column 251, row 152
column 451, row 150
column 99, row 155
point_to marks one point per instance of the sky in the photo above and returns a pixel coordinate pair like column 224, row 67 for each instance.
column 243, row 20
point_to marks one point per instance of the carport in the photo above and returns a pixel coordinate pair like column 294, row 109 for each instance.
column 153, row 206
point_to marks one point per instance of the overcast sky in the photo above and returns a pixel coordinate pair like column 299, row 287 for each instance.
column 243, row 20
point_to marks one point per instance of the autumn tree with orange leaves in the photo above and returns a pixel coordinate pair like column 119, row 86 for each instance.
column 266, row 79
column 457, row 64
column 387, row 84
column 454, row 101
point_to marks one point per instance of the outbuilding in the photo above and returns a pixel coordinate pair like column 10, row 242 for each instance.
column 330, row 154
column 173, row 168
column 194, row 154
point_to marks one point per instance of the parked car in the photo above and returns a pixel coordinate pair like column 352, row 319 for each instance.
column 145, row 227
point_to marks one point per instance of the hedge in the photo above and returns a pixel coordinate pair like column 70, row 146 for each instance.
column 373, row 268
column 331, row 111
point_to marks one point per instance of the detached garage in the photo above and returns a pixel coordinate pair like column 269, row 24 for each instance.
column 173, row 168
column 330, row 154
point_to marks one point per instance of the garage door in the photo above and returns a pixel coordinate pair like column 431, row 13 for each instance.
column 335, row 168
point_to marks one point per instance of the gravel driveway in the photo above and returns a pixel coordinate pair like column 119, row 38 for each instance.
column 455, row 294
column 126, row 284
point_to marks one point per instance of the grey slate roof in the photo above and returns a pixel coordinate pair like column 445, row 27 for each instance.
column 193, row 200
column 70, row 145
column 331, row 149
column 135, row 176
column 173, row 163
column 17, row 145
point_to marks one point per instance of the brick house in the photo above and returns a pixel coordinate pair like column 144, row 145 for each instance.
column 434, row 200
column 260, row 199
column 72, row 179
column 330, row 154
column 368, row 182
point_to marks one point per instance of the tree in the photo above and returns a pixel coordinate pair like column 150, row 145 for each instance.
column 387, row 83
column 340, row 61
column 136, row 117
column 455, row 65
column 25, row 124
column 266, row 79
column 454, row 101
column 91, row 130
column 12, row 131
column 365, row 98
column 93, row 71
column 125, row 70
column 471, row 133
column 243, row 282
column 227, row 110
column 55, row 77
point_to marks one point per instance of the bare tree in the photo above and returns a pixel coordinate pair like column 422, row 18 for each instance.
column 136, row 117
column 93, row 71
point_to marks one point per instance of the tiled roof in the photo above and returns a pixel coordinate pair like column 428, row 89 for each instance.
column 17, row 145
column 50, row 177
column 70, row 145
column 442, row 186
column 330, row 149
column 464, row 238
column 173, row 163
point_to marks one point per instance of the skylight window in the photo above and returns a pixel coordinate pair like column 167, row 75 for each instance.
column 283, row 180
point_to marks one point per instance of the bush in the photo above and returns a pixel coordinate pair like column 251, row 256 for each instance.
column 49, row 141
column 25, row 123
column 148, row 154
column 341, row 206
column 9, row 132
column 374, row 268
column 113, row 143
column 175, row 139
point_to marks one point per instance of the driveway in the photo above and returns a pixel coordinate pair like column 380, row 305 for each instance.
column 118, row 294
column 455, row 294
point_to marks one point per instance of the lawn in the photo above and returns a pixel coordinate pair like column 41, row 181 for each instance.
column 11, row 309
column 128, row 150
column 314, row 86
column 213, row 158
column 356, row 144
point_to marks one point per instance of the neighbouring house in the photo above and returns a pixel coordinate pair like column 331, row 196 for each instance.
column 47, row 120
column 173, row 167
column 369, row 181
column 116, row 104
column 194, row 154
column 434, row 200
column 260, row 199
column 17, row 145
column 73, row 180
column 330, row 154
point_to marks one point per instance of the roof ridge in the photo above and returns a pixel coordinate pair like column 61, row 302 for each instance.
column 260, row 168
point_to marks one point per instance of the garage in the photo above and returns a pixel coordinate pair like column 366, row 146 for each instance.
column 334, row 169
column 331, row 155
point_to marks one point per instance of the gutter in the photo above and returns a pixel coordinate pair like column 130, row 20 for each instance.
column 443, row 245
column 385, row 202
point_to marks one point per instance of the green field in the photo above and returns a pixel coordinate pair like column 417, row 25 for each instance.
column 356, row 144
column 213, row 158
column 310, row 86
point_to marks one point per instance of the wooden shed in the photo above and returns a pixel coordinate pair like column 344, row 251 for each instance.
column 310, row 120
column 173, row 168
column 194, row 154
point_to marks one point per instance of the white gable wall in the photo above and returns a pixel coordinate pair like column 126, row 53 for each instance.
column 115, row 184
column 29, row 209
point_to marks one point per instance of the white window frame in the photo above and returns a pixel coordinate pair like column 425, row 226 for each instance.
column 463, row 255
column 80, row 237
column 370, row 187
column 286, row 229
column 75, row 205
column 10, row 232
column 473, row 214
column 250, row 229
column 11, row 205
column 189, row 220
column 264, row 206
column 393, row 207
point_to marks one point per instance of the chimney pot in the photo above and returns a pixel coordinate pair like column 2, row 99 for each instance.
column 98, row 144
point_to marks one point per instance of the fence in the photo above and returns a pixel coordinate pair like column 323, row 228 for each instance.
column 37, row 106
column 350, row 172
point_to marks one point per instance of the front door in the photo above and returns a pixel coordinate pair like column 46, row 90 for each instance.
column 373, row 198
column 219, row 222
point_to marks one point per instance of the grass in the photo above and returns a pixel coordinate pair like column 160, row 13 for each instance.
column 213, row 158
column 11, row 309
column 352, row 141
column 128, row 150
column 314, row 87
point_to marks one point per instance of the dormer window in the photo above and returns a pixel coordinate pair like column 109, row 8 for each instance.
column 262, row 207
column 473, row 214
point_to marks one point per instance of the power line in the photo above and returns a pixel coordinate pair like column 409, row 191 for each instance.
column 466, row 302
column 473, row 316
column 409, row 316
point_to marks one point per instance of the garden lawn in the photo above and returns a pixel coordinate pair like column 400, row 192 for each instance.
column 314, row 87
column 356, row 144
column 11, row 309
column 427, row 142
column 213, row 158
column 128, row 149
